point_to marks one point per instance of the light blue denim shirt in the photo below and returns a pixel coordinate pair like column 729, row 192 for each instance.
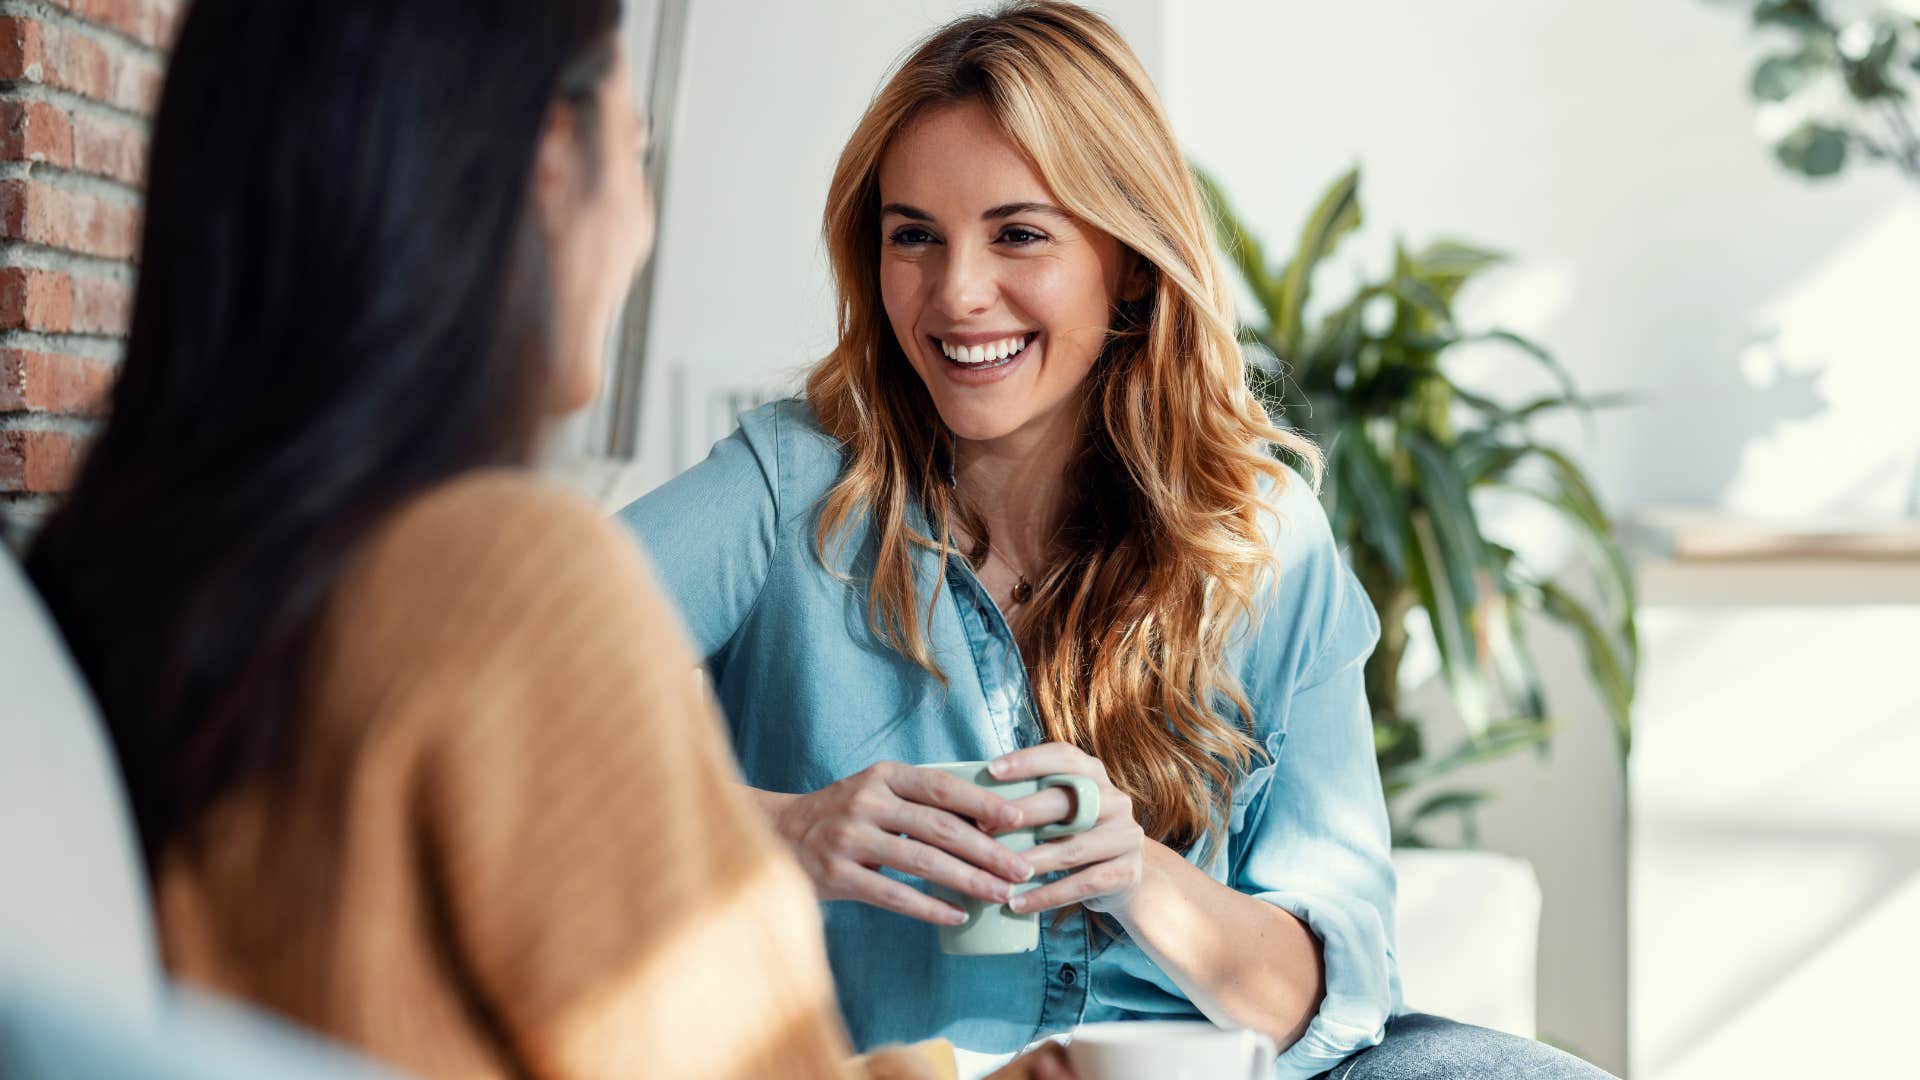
column 812, row 696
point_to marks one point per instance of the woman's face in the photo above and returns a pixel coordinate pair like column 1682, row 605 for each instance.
column 597, row 213
column 1001, row 300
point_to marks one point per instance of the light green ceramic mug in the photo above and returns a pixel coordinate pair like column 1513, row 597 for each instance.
column 990, row 928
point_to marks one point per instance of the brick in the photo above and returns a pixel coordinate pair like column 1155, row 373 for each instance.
column 110, row 149
column 35, row 300
column 52, row 302
column 38, row 462
column 53, row 383
column 36, row 131
column 150, row 22
column 42, row 132
column 101, row 306
column 103, row 70
column 35, row 212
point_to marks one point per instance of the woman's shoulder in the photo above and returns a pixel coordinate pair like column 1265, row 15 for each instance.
column 1292, row 520
column 472, row 556
column 1310, row 613
column 807, row 458
column 496, row 519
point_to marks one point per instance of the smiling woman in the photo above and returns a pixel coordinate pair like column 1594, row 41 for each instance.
column 1029, row 512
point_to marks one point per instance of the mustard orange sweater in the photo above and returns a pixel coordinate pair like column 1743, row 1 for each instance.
column 508, row 838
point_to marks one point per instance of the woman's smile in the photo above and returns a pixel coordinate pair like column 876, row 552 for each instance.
column 975, row 359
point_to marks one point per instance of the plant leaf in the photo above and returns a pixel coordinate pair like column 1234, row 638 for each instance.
column 1337, row 214
column 1370, row 492
column 1813, row 149
column 1568, row 388
column 1499, row 415
column 1574, row 497
column 1616, row 686
column 1778, row 78
column 1443, row 492
column 1512, row 661
column 1241, row 246
column 1451, row 616
column 1502, row 738
column 1801, row 15
column 1421, row 315
column 1447, row 802
column 1446, row 265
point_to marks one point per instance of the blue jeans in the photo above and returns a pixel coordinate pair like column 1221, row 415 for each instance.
column 1422, row 1047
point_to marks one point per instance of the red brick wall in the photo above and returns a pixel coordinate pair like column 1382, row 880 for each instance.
column 78, row 80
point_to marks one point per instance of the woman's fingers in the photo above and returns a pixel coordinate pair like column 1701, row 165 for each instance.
column 929, row 863
column 1083, row 849
column 1053, row 757
column 958, row 837
column 851, row 881
column 1048, row 1062
column 931, row 787
column 1045, row 807
column 1100, row 879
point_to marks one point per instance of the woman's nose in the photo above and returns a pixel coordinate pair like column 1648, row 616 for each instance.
column 966, row 286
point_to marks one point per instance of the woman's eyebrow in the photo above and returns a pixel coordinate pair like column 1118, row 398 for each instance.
column 1011, row 209
column 1005, row 210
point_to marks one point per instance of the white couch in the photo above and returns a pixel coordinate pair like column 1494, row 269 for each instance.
column 82, row 992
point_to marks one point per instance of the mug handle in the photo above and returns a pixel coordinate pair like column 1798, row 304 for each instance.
column 1086, row 805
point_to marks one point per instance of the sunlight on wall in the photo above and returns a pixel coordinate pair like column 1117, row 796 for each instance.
column 1844, row 327
column 1776, row 841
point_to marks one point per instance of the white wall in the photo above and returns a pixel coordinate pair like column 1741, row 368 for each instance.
column 1611, row 147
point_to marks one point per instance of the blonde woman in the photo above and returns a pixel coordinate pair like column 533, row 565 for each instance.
column 1027, row 512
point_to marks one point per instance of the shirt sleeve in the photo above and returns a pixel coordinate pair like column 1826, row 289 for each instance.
column 608, row 894
column 712, row 530
column 1313, row 838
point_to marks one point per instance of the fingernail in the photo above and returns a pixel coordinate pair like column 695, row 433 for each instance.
column 1002, row 892
column 1012, row 819
column 996, row 766
column 1023, row 872
column 1017, row 905
column 955, row 918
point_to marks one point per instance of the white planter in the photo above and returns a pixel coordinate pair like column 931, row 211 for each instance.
column 1469, row 933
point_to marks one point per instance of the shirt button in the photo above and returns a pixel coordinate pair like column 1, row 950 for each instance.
column 1067, row 974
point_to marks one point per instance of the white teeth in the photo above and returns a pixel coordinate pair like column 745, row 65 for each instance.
column 991, row 352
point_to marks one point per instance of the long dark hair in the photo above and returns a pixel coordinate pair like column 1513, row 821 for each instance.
column 343, row 301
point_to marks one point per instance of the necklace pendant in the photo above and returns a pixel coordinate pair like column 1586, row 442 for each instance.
column 1022, row 591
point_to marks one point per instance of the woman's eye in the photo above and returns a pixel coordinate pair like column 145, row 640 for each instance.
column 912, row 236
column 1021, row 235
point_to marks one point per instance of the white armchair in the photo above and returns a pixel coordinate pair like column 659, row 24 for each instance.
column 1469, row 936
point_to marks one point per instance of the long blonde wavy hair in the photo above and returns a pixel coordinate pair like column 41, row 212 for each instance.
column 1160, row 561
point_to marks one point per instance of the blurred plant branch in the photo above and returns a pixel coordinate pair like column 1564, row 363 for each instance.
column 1833, row 89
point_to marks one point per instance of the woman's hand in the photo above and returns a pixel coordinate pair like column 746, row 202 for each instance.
column 921, row 822
column 1107, row 858
column 933, row 1060
column 1046, row 1062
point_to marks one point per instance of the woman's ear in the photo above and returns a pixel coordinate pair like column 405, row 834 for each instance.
column 1136, row 280
column 556, row 167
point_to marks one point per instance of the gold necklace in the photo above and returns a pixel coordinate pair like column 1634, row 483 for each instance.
column 1022, row 588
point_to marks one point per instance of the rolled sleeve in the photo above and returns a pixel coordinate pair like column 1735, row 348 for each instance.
column 1313, row 834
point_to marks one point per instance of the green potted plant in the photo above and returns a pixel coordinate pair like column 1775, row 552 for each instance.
column 1410, row 453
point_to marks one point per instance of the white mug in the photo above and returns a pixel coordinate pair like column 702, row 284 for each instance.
column 1177, row 1050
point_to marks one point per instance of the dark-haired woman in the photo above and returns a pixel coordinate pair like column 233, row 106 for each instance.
column 401, row 727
